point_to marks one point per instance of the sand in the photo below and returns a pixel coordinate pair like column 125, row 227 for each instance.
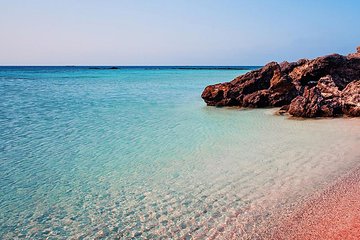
column 331, row 214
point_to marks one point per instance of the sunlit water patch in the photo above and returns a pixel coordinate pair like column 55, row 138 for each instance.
column 135, row 153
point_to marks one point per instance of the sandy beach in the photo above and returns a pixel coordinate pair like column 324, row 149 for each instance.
column 331, row 214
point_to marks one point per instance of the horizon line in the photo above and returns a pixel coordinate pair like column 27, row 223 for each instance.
column 125, row 66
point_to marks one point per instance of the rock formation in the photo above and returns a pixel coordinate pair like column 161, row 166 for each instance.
column 327, row 86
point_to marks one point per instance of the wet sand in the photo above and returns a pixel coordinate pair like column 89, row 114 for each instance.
column 331, row 214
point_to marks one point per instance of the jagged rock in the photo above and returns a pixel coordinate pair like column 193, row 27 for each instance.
column 282, row 91
column 328, row 87
column 323, row 87
column 216, row 95
column 307, row 105
column 351, row 99
column 257, row 99
column 320, row 101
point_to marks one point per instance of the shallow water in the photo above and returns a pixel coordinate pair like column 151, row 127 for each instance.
column 135, row 153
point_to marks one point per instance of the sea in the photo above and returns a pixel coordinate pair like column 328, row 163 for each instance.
column 98, row 152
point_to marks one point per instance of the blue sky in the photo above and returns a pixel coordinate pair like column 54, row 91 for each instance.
column 174, row 32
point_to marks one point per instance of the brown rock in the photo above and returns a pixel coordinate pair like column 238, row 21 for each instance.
column 256, row 80
column 257, row 99
column 232, row 93
column 282, row 91
column 328, row 87
column 323, row 100
column 312, row 71
column 351, row 99
column 307, row 105
column 311, row 88
column 216, row 95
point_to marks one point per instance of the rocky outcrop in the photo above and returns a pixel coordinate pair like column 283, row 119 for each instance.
column 327, row 86
column 322, row 100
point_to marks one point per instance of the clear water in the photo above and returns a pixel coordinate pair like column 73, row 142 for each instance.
column 135, row 153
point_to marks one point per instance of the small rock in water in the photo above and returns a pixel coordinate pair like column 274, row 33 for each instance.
column 183, row 225
column 187, row 237
column 216, row 214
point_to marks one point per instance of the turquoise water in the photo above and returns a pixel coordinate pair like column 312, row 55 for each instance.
column 135, row 153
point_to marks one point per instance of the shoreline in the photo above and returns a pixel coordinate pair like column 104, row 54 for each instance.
column 333, row 213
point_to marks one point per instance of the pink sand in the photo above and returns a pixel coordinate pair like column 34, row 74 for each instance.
column 331, row 214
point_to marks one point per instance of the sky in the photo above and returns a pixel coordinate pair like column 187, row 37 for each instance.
column 174, row 32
